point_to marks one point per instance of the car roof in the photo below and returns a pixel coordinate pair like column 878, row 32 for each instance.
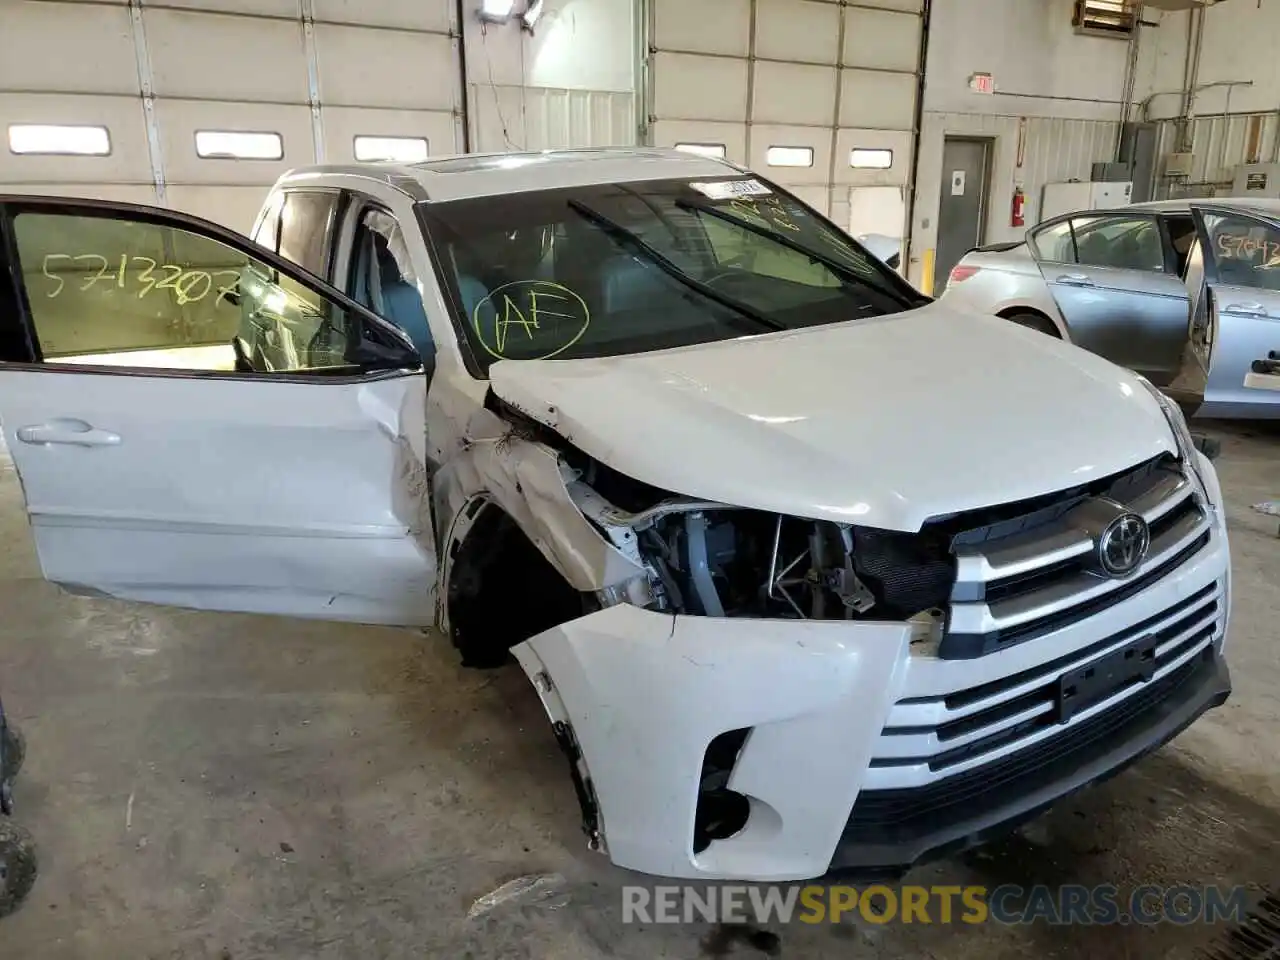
column 1259, row 205
column 487, row 174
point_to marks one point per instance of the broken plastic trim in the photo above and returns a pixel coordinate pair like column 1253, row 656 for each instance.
column 586, row 795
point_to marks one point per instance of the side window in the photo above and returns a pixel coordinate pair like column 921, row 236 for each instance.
column 1055, row 243
column 1122, row 243
column 267, row 232
column 383, row 279
column 306, row 229
column 1246, row 252
column 114, row 290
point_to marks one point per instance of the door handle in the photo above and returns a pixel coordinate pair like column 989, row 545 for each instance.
column 71, row 431
column 1076, row 280
column 1247, row 309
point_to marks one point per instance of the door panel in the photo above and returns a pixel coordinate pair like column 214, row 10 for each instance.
column 243, row 450
column 1243, row 267
column 1111, row 278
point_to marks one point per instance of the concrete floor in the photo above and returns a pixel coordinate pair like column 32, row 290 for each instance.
column 236, row 787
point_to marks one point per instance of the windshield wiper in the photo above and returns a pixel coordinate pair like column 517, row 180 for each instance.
column 840, row 269
column 660, row 260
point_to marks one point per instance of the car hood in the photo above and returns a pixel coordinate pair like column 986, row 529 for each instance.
column 885, row 422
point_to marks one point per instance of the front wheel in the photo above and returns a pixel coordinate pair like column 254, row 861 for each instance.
column 17, row 866
column 1034, row 321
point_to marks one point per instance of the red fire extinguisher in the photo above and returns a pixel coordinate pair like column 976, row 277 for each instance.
column 1019, row 218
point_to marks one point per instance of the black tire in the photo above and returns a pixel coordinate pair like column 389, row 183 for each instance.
column 18, row 866
column 15, row 749
column 1034, row 321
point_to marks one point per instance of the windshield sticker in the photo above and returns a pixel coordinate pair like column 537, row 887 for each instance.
column 729, row 189
column 530, row 320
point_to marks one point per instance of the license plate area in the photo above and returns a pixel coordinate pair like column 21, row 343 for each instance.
column 1106, row 676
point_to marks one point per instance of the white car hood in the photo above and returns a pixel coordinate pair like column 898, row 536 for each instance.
column 885, row 422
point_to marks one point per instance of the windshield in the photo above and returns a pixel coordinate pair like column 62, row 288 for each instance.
column 623, row 268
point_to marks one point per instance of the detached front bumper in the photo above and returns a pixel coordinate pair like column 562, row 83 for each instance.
column 862, row 753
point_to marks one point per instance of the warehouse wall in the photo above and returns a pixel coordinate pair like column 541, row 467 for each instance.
column 1233, row 124
column 569, row 83
column 1055, row 111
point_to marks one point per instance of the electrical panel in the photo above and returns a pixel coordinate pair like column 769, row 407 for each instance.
column 1080, row 195
column 1257, row 180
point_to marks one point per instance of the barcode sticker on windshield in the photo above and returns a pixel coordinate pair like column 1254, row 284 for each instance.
column 732, row 189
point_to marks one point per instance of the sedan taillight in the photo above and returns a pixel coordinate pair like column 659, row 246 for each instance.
column 960, row 272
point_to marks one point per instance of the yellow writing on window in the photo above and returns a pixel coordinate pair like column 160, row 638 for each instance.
column 135, row 275
column 530, row 320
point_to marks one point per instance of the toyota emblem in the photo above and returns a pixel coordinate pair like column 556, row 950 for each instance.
column 1123, row 545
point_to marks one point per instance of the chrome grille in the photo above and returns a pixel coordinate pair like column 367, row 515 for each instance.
column 927, row 738
column 1021, row 585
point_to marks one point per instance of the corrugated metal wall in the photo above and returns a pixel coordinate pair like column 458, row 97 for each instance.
column 1219, row 144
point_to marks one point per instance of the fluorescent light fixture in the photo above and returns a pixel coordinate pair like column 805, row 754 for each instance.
column 789, row 157
column 531, row 13
column 395, row 149
column 49, row 138
column 868, row 158
column 238, row 145
column 498, row 11
column 703, row 149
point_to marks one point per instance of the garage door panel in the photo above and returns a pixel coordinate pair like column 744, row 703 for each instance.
column 705, row 26
column 699, row 88
column 123, row 193
column 434, row 15
column 268, row 8
column 817, row 197
column 195, row 55
column 179, row 120
column 386, row 68
column 910, row 6
column 794, row 93
column 817, row 139
column 234, row 207
column 126, row 127
column 797, row 30
column 881, row 40
column 877, row 100
column 897, row 141
column 732, row 136
column 44, row 49
column 343, row 124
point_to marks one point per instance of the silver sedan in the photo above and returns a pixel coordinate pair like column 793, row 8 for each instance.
column 1185, row 292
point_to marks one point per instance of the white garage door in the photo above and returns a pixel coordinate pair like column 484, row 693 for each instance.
column 819, row 95
column 206, row 102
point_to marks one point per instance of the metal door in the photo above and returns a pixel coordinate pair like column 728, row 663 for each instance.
column 964, row 202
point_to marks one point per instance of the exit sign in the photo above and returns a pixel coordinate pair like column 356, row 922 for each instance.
column 982, row 83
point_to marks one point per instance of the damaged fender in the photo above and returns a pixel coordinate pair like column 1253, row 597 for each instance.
column 644, row 693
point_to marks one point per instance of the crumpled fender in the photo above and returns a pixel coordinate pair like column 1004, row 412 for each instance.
column 645, row 693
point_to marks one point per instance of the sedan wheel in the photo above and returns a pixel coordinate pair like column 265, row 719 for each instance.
column 1033, row 321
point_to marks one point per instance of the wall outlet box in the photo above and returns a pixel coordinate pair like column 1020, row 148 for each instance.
column 1178, row 164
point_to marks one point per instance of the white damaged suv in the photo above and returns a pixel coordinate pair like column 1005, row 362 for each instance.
column 809, row 572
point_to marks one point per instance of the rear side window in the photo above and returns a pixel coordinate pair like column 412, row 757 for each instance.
column 1118, row 242
column 306, row 229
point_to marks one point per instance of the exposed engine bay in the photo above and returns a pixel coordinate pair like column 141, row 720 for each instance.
column 708, row 559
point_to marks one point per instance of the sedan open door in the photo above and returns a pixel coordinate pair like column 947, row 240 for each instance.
column 196, row 421
column 1115, row 278
column 1243, row 270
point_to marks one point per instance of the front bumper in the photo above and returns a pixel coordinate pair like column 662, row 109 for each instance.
column 849, row 762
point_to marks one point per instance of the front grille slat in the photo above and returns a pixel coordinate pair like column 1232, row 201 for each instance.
column 1017, row 708
column 1038, row 577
